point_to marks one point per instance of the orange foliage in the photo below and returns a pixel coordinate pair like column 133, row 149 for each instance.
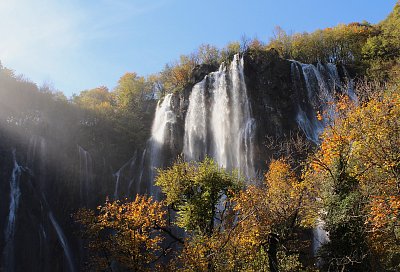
column 124, row 232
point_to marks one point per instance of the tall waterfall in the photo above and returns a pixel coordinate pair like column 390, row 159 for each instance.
column 15, row 193
column 162, row 136
column 218, row 120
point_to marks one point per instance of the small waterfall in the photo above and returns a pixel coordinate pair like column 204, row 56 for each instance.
column 129, row 168
column 63, row 242
column 137, row 169
column 15, row 193
column 320, row 236
column 322, row 83
column 36, row 163
column 306, row 114
column 218, row 121
column 139, row 182
column 243, row 123
column 85, row 174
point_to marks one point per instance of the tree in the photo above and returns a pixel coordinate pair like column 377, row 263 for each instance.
column 131, row 91
column 359, row 162
column 124, row 235
column 99, row 99
column 343, row 210
column 377, row 153
column 196, row 192
column 382, row 49
column 273, row 216
column 208, row 54
column 177, row 75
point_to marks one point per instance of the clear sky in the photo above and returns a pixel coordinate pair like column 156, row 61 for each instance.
column 81, row 44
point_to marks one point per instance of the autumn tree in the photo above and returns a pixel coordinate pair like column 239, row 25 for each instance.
column 229, row 51
column 130, row 92
column 377, row 155
column 99, row 99
column 273, row 216
column 124, row 234
column 208, row 54
column 343, row 212
column 176, row 76
column 358, row 163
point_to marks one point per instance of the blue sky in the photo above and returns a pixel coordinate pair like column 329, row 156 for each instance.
column 74, row 45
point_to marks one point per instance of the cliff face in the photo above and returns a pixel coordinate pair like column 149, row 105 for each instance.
column 272, row 97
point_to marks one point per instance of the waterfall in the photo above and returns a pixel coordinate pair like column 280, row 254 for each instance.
column 218, row 120
column 164, row 118
column 320, row 236
column 15, row 193
column 63, row 242
column 162, row 137
column 36, row 159
column 322, row 83
column 306, row 115
column 36, row 163
column 85, row 173
column 129, row 175
column 195, row 137
column 139, row 181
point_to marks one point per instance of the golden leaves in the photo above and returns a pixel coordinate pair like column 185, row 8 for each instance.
column 125, row 231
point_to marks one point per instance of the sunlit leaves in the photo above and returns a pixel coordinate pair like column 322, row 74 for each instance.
column 195, row 190
column 125, row 232
column 358, row 165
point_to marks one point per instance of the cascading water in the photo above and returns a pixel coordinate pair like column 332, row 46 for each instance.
column 320, row 236
column 128, row 167
column 85, row 174
column 15, row 193
column 36, row 163
column 306, row 114
column 322, row 83
column 139, row 181
column 195, row 137
column 162, row 136
column 63, row 242
column 218, row 120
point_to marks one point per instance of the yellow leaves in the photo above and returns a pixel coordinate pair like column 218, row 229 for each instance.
column 384, row 211
column 360, row 150
column 132, row 229
column 319, row 116
column 283, row 201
